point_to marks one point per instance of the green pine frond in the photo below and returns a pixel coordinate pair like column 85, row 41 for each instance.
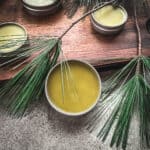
column 34, row 44
column 71, row 6
column 28, row 84
column 127, row 93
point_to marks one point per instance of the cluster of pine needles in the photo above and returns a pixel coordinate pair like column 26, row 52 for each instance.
column 127, row 94
column 17, row 93
column 71, row 6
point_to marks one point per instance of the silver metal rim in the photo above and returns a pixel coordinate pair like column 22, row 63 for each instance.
column 105, row 31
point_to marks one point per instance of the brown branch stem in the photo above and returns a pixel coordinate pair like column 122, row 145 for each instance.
column 138, row 67
column 139, row 39
column 85, row 15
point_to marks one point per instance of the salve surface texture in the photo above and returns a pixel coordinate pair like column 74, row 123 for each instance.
column 109, row 16
column 11, row 36
column 39, row 3
column 81, row 88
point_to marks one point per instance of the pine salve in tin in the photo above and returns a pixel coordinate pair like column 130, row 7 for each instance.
column 41, row 7
column 40, row 3
column 12, row 37
column 73, row 91
column 109, row 19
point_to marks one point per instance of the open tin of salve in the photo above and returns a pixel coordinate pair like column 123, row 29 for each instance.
column 12, row 37
column 41, row 7
column 109, row 19
column 73, row 87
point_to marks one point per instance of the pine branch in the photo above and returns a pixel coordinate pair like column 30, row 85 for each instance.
column 28, row 84
column 126, row 94
column 85, row 15
column 34, row 44
column 71, row 6
column 21, row 90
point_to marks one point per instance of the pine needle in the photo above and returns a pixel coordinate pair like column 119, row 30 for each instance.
column 36, row 43
column 28, row 84
column 131, row 92
column 71, row 6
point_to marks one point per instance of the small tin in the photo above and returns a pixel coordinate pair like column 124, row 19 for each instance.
column 41, row 8
column 71, row 114
column 15, row 47
column 109, row 30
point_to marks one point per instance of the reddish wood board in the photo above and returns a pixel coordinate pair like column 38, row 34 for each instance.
column 82, row 42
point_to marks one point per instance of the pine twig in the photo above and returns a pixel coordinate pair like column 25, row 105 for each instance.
column 139, row 40
column 71, row 6
column 85, row 15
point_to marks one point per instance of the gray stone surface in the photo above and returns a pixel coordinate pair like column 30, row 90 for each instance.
column 44, row 129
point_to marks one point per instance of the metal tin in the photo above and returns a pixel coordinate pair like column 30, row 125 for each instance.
column 109, row 30
column 69, row 113
column 22, row 43
column 39, row 4
column 41, row 10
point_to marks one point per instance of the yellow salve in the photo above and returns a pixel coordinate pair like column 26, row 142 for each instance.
column 75, row 89
column 12, row 37
column 109, row 16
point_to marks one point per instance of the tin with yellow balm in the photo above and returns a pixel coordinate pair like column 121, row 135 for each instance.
column 73, row 89
column 12, row 37
column 109, row 19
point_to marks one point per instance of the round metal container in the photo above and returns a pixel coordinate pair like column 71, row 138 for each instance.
column 41, row 9
column 109, row 30
column 70, row 113
column 20, row 41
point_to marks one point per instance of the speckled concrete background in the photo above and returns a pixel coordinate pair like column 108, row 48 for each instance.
column 45, row 129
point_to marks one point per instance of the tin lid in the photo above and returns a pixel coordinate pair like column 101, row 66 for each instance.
column 39, row 3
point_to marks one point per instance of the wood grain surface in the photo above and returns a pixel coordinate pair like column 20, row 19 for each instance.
column 82, row 42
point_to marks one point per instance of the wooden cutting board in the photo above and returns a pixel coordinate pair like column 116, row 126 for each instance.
column 82, row 42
